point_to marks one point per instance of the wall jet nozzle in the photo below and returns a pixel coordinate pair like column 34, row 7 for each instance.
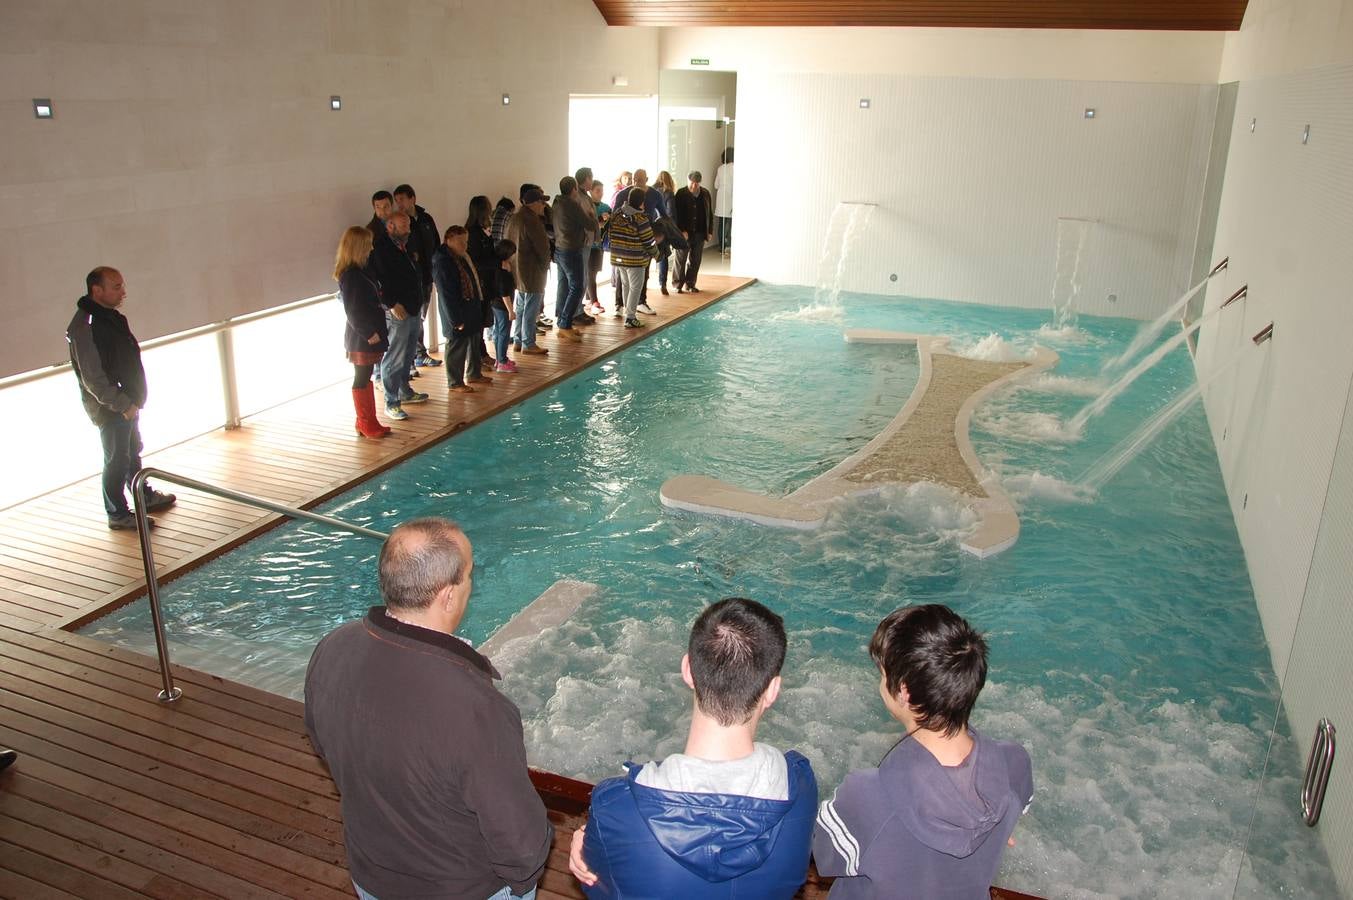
column 1238, row 295
column 1226, row 261
column 1265, row 333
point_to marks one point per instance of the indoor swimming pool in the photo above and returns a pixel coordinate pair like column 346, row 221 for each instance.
column 1126, row 648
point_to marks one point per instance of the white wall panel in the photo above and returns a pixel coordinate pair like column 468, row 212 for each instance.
column 193, row 146
column 970, row 176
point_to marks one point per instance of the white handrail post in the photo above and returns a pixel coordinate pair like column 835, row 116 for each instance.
column 225, row 350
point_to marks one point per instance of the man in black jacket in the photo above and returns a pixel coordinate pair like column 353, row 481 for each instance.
column 107, row 362
column 424, row 240
column 427, row 754
column 402, row 295
column 694, row 216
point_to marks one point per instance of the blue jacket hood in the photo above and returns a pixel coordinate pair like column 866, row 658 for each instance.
column 647, row 842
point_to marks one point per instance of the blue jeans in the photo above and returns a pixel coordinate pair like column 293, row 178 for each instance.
column 571, row 269
column 121, row 461
column 500, row 333
column 527, row 306
column 504, row 894
column 397, row 360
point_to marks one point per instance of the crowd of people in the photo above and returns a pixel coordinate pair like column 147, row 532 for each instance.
column 430, row 762
column 491, row 274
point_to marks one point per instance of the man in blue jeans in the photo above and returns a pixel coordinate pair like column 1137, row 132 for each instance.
column 402, row 294
column 572, row 239
column 106, row 359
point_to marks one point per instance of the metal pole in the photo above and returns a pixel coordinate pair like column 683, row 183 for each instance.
column 170, row 693
column 225, row 351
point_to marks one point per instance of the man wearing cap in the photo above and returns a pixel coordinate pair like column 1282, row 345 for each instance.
column 427, row 754
column 530, row 268
column 694, row 216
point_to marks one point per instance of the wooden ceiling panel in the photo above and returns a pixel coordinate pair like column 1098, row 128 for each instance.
column 1169, row 15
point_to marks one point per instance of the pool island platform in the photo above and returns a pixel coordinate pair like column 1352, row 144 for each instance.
column 927, row 441
column 116, row 795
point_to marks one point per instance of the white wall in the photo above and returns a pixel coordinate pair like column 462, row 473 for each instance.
column 1189, row 57
column 970, row 175
column 194, row 149
column 1286, row 221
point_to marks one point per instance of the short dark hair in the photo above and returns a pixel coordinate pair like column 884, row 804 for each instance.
column 505, row 249
column 940, row 658
column 567, row 185
column 96, row 276
column 419, row 559
column 582, row 174
column 454, row 230
column 634, row 196
column 506, row 203
column 737, row 647
column 405, row 190
column 381, row 195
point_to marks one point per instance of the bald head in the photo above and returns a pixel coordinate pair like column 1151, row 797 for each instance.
column 105, row 287
column 398, row 225
column 641, row 177
column 420, row 559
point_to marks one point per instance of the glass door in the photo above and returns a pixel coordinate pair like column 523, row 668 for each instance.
column 1284, row 856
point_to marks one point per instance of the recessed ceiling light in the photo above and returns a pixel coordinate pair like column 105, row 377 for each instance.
column 1089, row 112
column 864, row 103
column 507, row 99
column 335, row 103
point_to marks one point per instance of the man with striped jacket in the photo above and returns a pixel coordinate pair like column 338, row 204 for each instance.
column 633, row 244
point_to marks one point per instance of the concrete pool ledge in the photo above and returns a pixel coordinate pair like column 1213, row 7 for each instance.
column 927, row 441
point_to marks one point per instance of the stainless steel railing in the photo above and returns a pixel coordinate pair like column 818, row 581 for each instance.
column 170, row 692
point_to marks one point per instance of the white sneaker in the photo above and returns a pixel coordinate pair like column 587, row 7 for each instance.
column 646, row 309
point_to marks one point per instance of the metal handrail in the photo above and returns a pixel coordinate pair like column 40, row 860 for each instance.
column 170, row 692
column 178, row 337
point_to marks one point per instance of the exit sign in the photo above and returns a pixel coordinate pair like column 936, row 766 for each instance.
column 699, row 62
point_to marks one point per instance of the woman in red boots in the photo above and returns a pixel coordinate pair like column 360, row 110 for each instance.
column 365, row 335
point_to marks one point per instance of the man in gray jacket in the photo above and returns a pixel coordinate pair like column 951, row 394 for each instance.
column 573, row 230
column 427, row 755
column 106, row 359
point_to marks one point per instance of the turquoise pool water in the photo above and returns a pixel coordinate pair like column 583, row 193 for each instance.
column 1126, row 649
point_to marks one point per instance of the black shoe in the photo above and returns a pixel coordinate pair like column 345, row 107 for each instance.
column 664, row 290
column 692, row 288
column 7, row 758
column 126, row 522
column 158, row 500
column 583, row 318
column 633, row 323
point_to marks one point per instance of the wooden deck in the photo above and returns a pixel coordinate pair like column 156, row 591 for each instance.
column 116, row 795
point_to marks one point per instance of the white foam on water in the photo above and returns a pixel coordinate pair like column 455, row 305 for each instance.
column 1066, row 334
column 1025, row 426
column 1129, row 802
column 994, row 348
column 1069, row 385
column 1025, row 486
column 815, row 312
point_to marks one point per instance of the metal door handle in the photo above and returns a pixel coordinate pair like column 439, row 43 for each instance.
column 1318, row 765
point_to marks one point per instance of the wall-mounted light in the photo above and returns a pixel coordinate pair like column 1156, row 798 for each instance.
column 335, row 103
column 620, row 81
column 507, row 99
column 864, row 103
column 42, row 108
column 1253, row 122
column 1089, row 112
column 1306, row 134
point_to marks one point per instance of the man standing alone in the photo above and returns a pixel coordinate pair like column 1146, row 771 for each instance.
column 107, row 362
column 694, row 216
column 427, row 755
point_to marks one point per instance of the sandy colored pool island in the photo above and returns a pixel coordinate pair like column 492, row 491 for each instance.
column 927, row 441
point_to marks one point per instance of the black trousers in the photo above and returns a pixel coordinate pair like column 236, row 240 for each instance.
column 687, row 266
column 462, row 354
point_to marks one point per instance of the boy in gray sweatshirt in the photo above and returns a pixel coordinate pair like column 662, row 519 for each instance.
column 933, row 819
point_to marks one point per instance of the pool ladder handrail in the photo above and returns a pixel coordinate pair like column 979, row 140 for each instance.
column 170, row 692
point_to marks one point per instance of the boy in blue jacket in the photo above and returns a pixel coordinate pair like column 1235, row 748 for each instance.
column 729, row 817
column 933, row 819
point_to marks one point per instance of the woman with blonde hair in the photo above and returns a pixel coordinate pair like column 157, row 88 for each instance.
column 365, row 338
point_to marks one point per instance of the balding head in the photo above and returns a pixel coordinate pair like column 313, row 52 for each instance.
column 641, row 177
column 398, row 225
column 420, row 559
column 105, row 287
